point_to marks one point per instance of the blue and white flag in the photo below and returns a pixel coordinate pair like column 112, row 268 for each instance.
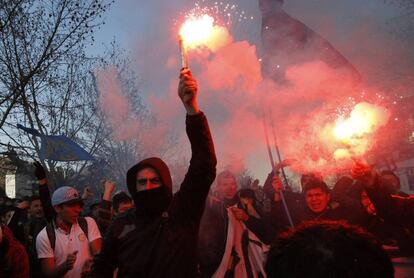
column 58, row 147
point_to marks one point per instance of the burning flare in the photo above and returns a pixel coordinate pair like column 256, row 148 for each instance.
column 196, row 31
column 201, row 32
column 356, row 131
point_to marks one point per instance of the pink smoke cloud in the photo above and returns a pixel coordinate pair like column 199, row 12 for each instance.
column 301, row 111
column 115, row 106
column 233, row 94
column 233, row 68
column 125, row 124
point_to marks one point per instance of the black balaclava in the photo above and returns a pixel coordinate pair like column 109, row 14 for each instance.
column 153, row 202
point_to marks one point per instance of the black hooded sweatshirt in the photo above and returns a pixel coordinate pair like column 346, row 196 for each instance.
column 160, row 241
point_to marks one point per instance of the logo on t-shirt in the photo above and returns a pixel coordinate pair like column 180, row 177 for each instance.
column 82, row 237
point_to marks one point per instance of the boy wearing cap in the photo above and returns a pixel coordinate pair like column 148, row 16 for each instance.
column 73, row 250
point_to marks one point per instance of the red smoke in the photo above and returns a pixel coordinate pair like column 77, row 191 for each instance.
column 122, row 119
column 233, row 93
column 301, row 110
column 115, row 106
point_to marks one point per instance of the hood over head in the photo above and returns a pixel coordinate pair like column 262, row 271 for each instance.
column 153, row 162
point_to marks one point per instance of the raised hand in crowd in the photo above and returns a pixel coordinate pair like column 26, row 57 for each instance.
column 285, row 163
column 364, row 173
column 108, row 189
column 40, row 172
column 44, row 192
column 23, row 205
column 87, row 193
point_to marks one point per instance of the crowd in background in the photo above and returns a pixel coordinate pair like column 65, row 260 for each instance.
column 260, row 208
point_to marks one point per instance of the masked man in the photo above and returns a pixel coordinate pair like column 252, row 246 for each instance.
column 158, row 237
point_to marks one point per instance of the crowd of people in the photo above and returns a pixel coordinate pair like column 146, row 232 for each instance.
column 203, row 231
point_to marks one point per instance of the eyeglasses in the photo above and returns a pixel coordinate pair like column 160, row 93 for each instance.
column 145, row 181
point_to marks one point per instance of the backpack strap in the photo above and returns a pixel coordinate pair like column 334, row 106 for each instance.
column 83, row 224
column 50, row 231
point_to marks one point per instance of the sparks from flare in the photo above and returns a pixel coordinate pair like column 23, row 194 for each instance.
column 196, row 31
column 356, row 131
column 229, row 12
column 365, row 118
column 208, row 23
column 200, row 32
column 225, row 14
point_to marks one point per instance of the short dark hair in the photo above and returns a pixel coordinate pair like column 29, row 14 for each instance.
column 94, row 205
column 120, row 198
column 306, row 177
column 34, row 198
column 328, row 249
column 5, row 208
column 316, row 183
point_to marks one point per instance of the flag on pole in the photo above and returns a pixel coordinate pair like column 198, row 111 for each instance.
column 58, row 147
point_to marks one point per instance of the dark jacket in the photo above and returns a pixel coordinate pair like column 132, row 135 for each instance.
column 104, row 216
column 164, row 246
column 394, row 209
column 17, row 224
column 398, row 213
column 277, row 220
column 389, row 234
column 34, row 227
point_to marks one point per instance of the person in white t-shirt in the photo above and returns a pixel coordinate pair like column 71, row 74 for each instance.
column 73, row 249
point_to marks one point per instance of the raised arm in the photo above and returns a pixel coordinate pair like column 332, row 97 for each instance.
column 44, row 192
column 394, row 209
column 104, row 211
column 202, row 169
